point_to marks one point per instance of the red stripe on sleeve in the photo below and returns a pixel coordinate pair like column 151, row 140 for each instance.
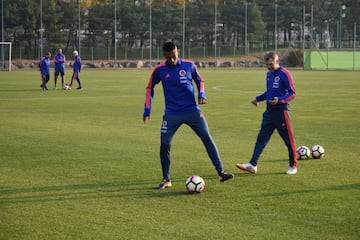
column 149, row 90
column 202, row 84
column 291, row 84
column 150, row 87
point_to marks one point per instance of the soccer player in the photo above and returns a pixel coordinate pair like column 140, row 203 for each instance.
column 59, row 60
column 280, row 90
column 176, row 76
column 76, row 70
column 44, row 66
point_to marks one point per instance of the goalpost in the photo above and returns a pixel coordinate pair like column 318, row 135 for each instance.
column 5, row 52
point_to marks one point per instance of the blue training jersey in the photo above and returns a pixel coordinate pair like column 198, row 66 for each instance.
column 278, row 84
column 44, row 65
column 59, row 60
column 77, row 64
column 178, row 86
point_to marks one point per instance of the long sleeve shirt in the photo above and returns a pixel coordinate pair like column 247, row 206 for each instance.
column 77, row 64
column 177, row 82
column 44, row 65
column 278, row 84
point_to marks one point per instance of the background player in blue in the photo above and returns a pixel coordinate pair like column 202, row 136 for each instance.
column 76, row 70
column 280, row 90
column 44, row 66
column 59, row 61
column 176, row 76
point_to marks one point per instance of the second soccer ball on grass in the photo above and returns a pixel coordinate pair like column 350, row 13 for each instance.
column 303, row 153
column 317, row 151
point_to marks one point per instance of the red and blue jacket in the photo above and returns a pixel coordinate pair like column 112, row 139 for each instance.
column 278, row 84
column 177, row 82
column 77, row 64
column 44, row 65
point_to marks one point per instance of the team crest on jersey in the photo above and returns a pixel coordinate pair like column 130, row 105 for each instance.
column 182, row 73
column 277, row 78
column 182, row 76
column 164, row 127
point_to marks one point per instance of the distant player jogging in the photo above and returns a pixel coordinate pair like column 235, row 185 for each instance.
column 59, row 61
column 280, row 90
column 176, row 76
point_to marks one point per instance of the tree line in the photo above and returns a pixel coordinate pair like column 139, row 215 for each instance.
column 34, row 25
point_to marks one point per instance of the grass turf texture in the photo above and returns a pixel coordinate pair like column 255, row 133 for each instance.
column 81, row 164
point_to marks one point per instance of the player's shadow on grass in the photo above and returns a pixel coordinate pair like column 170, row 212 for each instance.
column 127, row 190
column 23, row 90
column 116, row 189
column 170, row 192
column 86, row 191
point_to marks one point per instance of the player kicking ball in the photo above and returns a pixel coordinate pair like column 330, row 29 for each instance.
column 176, row 75
column 76, row 71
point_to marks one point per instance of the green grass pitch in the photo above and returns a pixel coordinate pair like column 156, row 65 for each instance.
column 82, row 165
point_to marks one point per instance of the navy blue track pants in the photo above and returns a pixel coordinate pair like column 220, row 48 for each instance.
column 279, row 120
column 197, row 122
column 76, row 77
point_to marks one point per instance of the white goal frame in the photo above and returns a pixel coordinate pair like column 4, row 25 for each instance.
column 9, row 56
